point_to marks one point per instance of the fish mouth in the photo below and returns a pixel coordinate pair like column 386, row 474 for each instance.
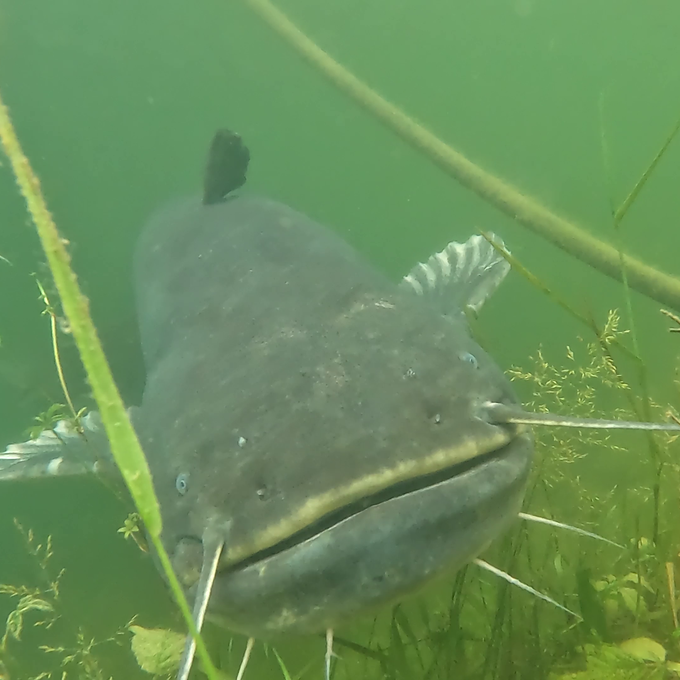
column 389, row 493
column 472, row 437
column 377, row 548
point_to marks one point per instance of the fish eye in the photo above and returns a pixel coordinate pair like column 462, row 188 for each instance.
column 182, row 483
column 470, row 359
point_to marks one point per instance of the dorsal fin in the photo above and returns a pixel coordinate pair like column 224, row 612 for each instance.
column 226, row 168
column 461, row 276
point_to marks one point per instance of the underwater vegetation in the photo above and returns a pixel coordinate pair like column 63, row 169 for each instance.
column 59, row 647
column 624, row 597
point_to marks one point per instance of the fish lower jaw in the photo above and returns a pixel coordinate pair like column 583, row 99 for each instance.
column 376, row 556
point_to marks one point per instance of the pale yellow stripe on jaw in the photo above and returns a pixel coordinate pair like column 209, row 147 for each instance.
column 316, row 507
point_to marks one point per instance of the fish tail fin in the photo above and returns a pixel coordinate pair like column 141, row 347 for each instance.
column 62, row 451
column 461, row 276
column 226, row 168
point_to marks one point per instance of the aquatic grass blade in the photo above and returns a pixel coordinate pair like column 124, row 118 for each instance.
column 125, row 446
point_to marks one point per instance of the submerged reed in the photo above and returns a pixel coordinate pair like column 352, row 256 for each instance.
column 125, row 446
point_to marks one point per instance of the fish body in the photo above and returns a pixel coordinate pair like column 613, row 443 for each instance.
column 322, row 439
column 324, row 418
column 318, row 434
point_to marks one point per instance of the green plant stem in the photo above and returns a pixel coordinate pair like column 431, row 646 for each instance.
column 639, row 185
column 125, row 446
column 617, row 216
column 49, row 310
column 566, row 235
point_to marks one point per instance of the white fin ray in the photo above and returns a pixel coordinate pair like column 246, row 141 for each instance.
column 60, row 452
column 462, row 275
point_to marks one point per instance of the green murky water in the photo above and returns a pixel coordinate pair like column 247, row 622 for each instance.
column 115, row 104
